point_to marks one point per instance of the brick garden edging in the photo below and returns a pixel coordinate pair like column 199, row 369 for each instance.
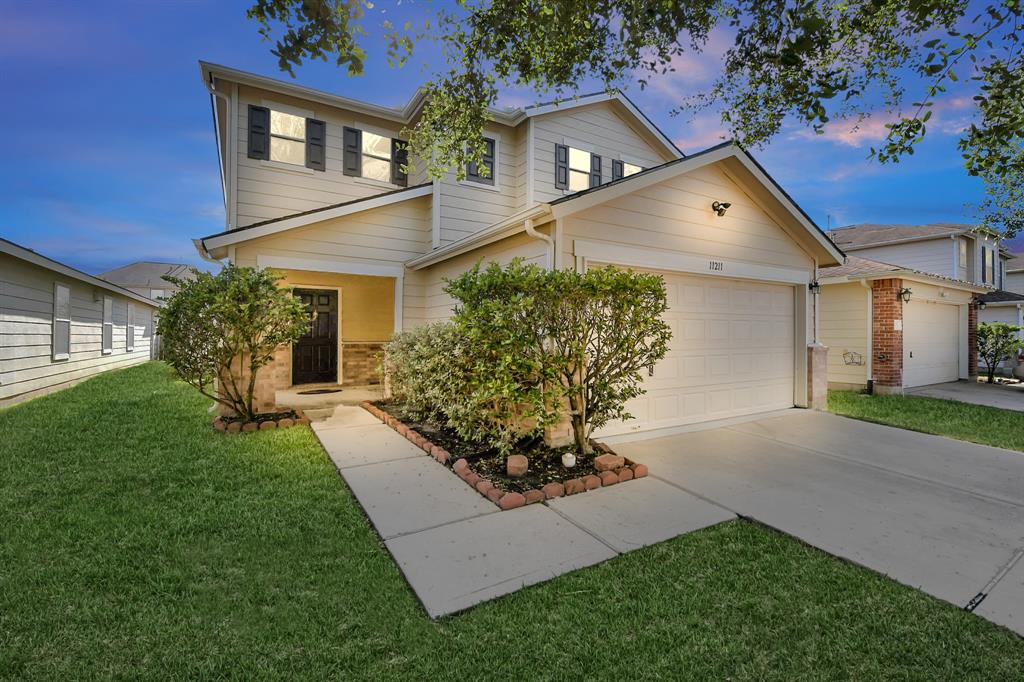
column 612, row 469
column 248, row 427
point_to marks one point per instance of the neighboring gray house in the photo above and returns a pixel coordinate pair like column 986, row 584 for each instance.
column 59, row 326
column 147, row 277
column 958, row 251
column 1015, row 275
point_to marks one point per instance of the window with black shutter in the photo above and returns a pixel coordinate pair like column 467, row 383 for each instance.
column 485, row 171
column 259, row 132
column 580, row 170
column 561, row 166
column 399, row 163
column 316, row 144
column 352, row 152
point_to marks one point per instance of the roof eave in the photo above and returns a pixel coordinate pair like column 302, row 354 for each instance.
column 495, row 232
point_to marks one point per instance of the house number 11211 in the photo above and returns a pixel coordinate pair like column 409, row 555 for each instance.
column 716, row 265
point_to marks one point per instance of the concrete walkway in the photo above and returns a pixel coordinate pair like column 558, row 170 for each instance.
column 1005, row 396
column 937, row 514
column 456, row 549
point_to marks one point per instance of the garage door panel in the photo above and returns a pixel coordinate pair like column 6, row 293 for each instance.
column 931, row 343
column 731, row 354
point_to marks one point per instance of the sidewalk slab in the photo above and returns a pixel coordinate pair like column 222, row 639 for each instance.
column 358, row 445
column 639, row 513
column 408, row 495
column 1005, row 603
column 453, row 567
column 346, row 415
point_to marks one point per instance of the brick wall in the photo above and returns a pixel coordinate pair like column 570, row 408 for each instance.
column 886, row 339
column 272, row 377
column 360, row 363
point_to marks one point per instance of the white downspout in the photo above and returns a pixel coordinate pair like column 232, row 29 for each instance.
column 550, row 250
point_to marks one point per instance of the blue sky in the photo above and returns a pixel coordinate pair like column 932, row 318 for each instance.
column 110, row 156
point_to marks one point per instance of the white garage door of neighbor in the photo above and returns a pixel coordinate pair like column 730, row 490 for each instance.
column 731, row 354
column 931, row 343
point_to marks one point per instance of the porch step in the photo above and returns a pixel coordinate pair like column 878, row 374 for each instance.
column 319, row 414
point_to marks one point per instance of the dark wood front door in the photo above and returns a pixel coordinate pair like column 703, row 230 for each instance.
column 315, row 355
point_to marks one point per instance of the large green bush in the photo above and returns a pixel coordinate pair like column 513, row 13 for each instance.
column 997, row 341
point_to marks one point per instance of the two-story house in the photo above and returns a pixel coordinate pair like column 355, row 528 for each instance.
column 316, row 186
column 902, row 312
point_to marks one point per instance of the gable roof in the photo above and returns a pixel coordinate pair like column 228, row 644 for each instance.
column 28, row 255
column 147, row 274
column 1015, row 264
column 856, row 268
column 873, row 234
column 510, row 116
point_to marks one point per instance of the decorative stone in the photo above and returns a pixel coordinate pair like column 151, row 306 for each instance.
column 608, row 462
column 511, row 501
column 460, row 465
column 603, row 447
column 639, row 471
column 249, row 427
column 439, row 453
column 625, row 474
column 590, row 481
column 609, row 478
column 483, row 487
column 472, row 479
column 402, row 429
column 234, row 427
column 219, row 424
column 301, row 418
column 495, row 494
column 534, row 496
column 552, row 490
column 266, row 426
column 464, row 474
column 516, row 465
column 574, row 485
column 285, row 423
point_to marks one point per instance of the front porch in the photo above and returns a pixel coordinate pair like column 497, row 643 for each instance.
column 319, row 401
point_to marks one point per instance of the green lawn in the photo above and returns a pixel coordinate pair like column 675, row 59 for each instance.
column 136, row 542
column 950, row 418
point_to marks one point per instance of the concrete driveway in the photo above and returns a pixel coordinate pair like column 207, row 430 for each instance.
column 1007, row 397
column 937, row 514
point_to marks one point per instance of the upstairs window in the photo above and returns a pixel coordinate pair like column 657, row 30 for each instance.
column 576, row 169
column 623, row 169
column 376, row 157
column 484, row 171
column 989, row 266
column 287, row 138
column 107, row 333
column 61, row 339
column 962, row 252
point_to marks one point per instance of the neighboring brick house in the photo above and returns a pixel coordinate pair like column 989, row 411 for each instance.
column 892, row 327
column 318, row 186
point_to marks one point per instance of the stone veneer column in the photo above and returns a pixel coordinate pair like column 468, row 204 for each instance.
column 887, row 335
column 972, row 340
column 817, row 376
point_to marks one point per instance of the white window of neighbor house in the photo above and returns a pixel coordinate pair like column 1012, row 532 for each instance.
column 287, row 138
column 61, row 340
column 108, row 325
column 129, row 326
column 376, row 156
column 989, row 266
column 962, row 253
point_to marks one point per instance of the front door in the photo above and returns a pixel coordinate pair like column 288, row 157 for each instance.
column 315, row 355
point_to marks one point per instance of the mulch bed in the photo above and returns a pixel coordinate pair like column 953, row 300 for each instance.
column 484, row 468
column 264, row 421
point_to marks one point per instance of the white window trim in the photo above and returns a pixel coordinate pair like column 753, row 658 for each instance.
column 496, row 187
column 590, row 149
column 104, row 324
column 376, row 130
column 294, row 111
column 129, row 328
column 57, row 286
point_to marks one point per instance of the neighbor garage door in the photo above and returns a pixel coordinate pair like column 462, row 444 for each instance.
column 731, row 354
column 931, row 343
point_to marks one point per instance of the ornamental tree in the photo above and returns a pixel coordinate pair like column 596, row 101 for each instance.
column 557, row 339
column 997, row 341
column 220, row 330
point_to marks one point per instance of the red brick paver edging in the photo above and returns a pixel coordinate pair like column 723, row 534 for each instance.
column 613, row 469
column 247, row 427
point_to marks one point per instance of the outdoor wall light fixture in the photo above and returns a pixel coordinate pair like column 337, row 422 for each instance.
column 904, row 295
column 720, row 207
column 814, row 287
column 978, row 303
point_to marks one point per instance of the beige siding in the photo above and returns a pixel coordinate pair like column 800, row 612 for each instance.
column 600, row 129
column 467, row 207
column 934, row 255
column 1015, row 282
column 436, row 305
column 673, row 216
column 269, row 190
column 845, row 328
column 26, row 320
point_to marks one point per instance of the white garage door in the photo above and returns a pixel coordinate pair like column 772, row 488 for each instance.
column 931, row 343
column 731, row 354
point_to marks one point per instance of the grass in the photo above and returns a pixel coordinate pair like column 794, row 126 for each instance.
column 136, row 542
column 950, row 418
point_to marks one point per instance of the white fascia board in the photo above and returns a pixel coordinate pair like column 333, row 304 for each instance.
column 488, row 235
column 245, row 234
column 910, row 276
column 333, row 265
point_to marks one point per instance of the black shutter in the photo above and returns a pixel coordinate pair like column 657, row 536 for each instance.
column 616, row 169
column 399, row 158
column 259, row 132
column 488, row 161
column 561, row 166
column 595, row 170
column 353, row 152
column 316, row 144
